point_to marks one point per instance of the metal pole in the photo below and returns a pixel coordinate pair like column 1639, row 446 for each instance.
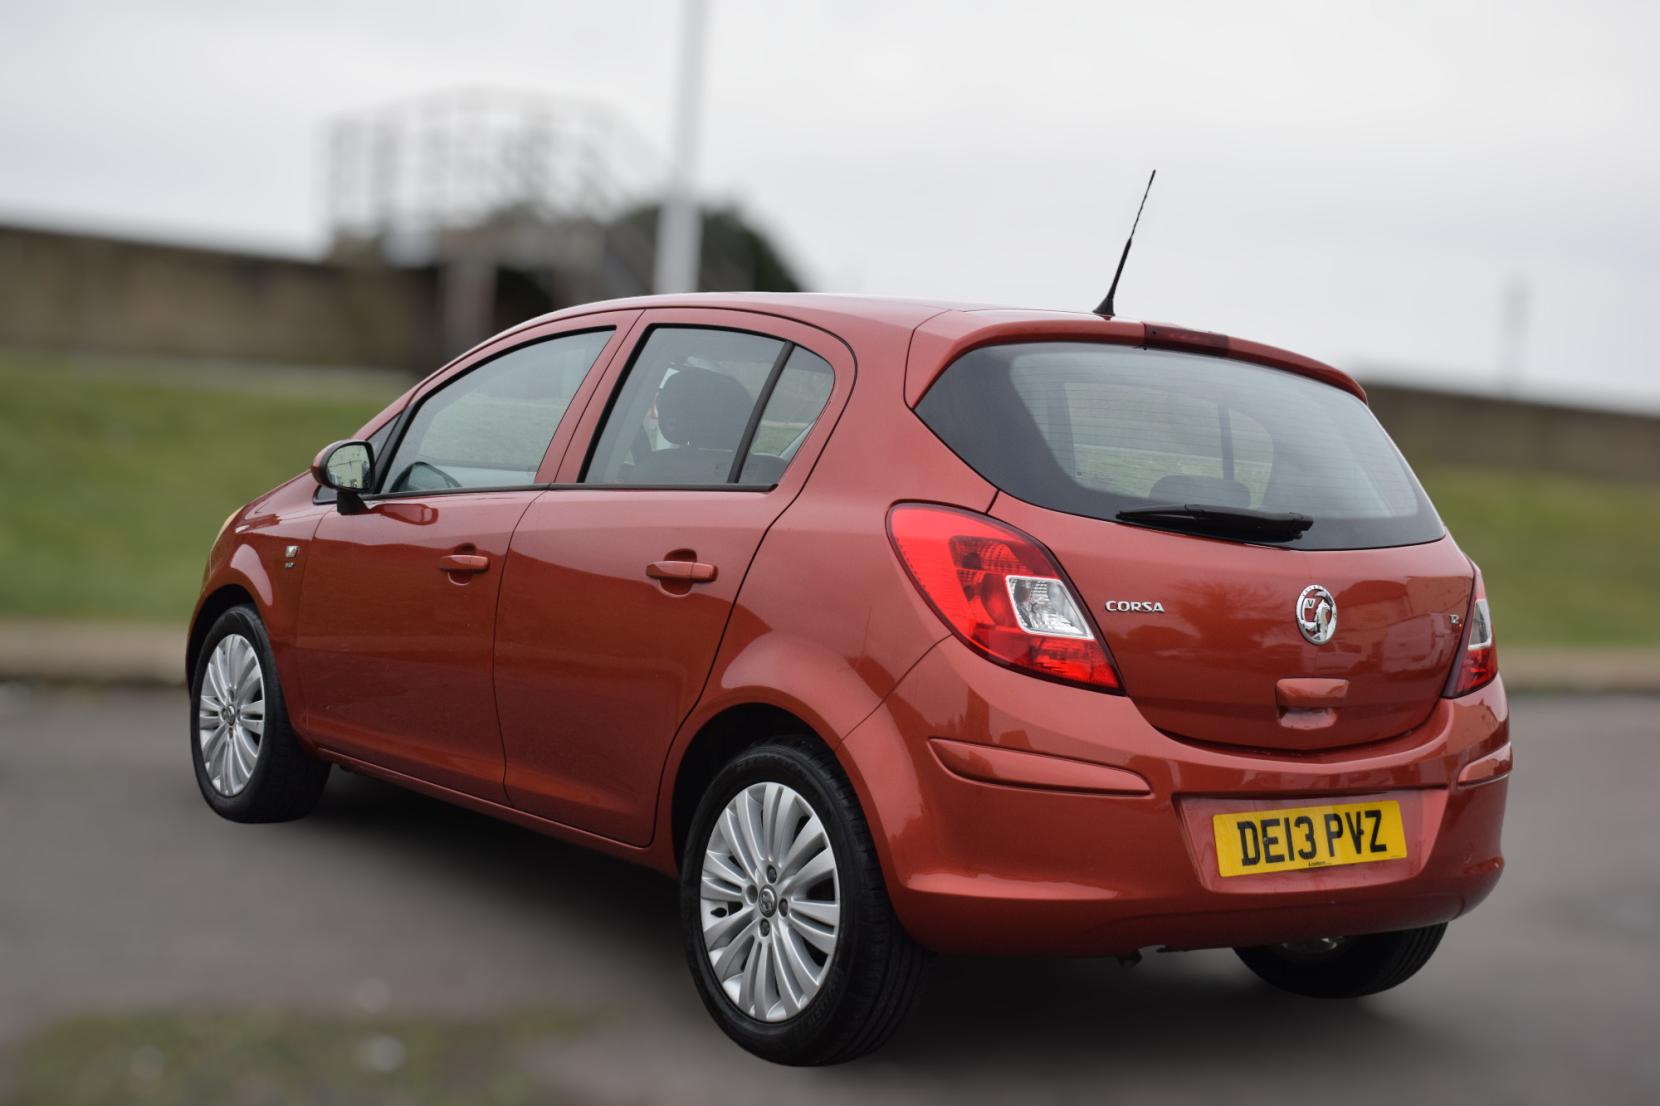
column 1513, row 335
column 679, row 223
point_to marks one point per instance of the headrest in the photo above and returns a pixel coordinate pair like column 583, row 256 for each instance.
column 703, row 409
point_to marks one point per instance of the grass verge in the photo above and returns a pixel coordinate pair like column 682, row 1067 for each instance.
column 1568, row 561
column 116, row 477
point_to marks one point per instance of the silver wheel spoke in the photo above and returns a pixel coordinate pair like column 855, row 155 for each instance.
column 734, row 957
column 810, row 837
column 245, row 745
column 220, row 771
column 789, row 996
column 222, row 668
column 236, row 768
column 803, row 878
column 769, row 948
column 827, row 914
column 212, row 694
column 247, row 663
column 733, row 841
column 751, row 832
column 789, row 983
column 721, row 890
column 721, row 870
column 807, row 975
column 783, row 831
column 230, row 714
column 718, row 932
column 820, row 937
column 749, row 978
column 772, row 796
column 211, row 741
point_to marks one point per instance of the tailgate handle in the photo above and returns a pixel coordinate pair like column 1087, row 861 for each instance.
column 691, row 572
column 1310, row 693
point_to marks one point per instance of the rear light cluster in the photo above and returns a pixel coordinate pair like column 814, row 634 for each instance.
column 1478, row 660
column 1001, row 593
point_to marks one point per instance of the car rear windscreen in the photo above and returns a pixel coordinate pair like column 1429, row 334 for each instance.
column 1092, row 429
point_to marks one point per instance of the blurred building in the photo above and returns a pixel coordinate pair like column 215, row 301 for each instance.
column 451, row 216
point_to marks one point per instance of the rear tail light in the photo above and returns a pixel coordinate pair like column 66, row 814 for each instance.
column 1000, row 592
column 1478, row 658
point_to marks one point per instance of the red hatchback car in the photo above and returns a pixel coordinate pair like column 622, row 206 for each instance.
column 889, row 626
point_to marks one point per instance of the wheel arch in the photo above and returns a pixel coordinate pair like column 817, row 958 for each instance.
column 208, row 611
column 713, row 746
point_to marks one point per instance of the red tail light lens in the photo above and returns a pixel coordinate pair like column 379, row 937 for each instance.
column 1001, row 592
column 1478, row 659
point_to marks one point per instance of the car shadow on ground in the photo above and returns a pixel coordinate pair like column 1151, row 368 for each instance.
column 973, row 1013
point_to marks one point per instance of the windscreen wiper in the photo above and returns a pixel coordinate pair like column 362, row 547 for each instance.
column 1208, row 518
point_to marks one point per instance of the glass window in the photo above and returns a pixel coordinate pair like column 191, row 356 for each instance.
column 1095, row 429
column 680, row 415
column 798, row 397
column 491, row 427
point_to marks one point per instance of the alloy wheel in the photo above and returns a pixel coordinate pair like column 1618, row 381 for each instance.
column 771, row 902
column 230, row 714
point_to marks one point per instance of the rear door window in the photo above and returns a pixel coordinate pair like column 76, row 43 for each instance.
column 1094, row 429
column 703, row 407
column 802, row 390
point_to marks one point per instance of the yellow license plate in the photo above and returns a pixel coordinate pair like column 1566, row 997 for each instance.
column 1260, row 841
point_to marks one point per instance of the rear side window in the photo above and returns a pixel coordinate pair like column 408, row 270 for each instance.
column 1096, row 429
column 702, row 407
column 800, row 394
column 489, row 427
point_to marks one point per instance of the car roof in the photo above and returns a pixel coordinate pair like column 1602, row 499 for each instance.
column 955, row 327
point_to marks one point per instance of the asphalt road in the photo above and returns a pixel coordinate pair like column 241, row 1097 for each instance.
column 119, row 890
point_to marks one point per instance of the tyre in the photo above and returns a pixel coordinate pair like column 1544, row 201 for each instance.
column 248, row 762
column 1345, row 967
column 791, row 939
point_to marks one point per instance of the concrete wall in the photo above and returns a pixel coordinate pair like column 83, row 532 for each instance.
column 1451, row 428
column 85, row 293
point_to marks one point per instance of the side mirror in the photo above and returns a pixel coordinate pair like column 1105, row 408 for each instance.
column 345, row 466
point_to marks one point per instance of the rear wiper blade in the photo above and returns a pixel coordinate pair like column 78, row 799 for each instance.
column 1215, row 518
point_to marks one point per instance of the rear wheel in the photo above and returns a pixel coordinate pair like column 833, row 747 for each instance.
column 1345, row 967
column 249, row 764
column 791, row 939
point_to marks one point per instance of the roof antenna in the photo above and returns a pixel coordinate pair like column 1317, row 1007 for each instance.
column 1105, row 310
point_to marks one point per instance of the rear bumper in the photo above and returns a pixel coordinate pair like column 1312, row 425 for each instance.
column 976, row 866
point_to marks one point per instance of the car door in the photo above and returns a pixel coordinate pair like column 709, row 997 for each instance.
column 398, row 601
column 620, row 580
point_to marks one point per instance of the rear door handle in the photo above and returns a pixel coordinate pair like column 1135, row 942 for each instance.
column 692, row 572
column 463, row 562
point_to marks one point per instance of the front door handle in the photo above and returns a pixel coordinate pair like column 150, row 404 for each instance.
column 691, row 572
column 463, row 562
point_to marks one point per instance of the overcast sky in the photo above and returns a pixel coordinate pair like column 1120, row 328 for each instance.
column 1355, row 181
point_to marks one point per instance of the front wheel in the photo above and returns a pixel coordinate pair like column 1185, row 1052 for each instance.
column 248, row 760
column 791, row 939
column 1345, row 967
